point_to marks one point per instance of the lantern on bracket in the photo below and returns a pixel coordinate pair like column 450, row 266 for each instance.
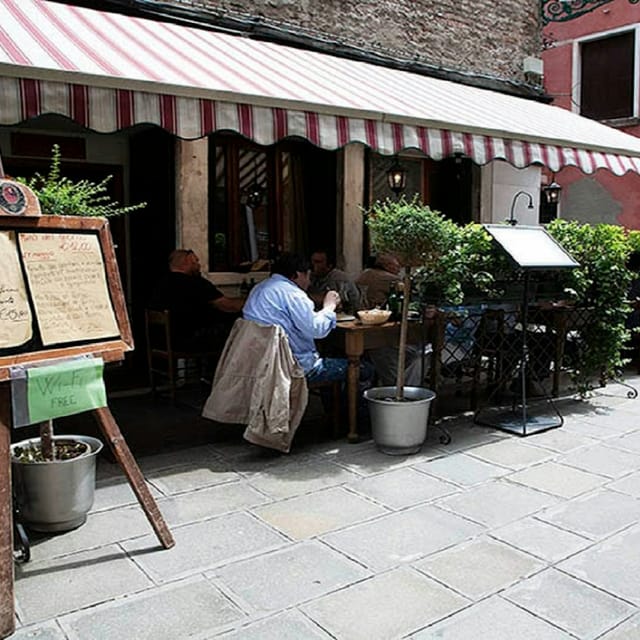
column 397, row 177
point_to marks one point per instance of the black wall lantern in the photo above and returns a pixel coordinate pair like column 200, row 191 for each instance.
column 552, row 192
column 397, row 177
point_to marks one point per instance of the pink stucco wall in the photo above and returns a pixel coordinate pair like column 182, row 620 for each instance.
column 601, row 196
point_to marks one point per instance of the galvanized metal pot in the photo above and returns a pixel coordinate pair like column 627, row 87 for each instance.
column 55, row 496
column 399, row 428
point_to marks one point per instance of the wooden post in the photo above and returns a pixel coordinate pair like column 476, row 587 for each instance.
column 7, row 612
column 129, row 466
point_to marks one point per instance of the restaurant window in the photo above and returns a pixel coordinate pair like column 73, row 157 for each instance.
column 242, row 227
column 607, row 77
column 264, row 200
column 450, row 186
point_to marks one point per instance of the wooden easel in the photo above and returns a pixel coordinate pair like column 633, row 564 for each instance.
column 20, row 213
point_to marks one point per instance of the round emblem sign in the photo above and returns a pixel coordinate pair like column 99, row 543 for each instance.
column 12, row 198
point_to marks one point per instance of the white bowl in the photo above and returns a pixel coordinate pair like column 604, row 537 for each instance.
column 374, row 316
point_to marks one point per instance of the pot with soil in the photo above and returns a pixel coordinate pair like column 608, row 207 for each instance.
column 55, row 495
column 399, row 427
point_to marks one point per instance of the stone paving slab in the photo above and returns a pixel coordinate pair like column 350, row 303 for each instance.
column 293, row 478
column 558, row 479
column 492, row 619
column 595, row 515
column 463, row 469
column 81, row 580
column 629, row 441
column 191, row 477
column 209, row 502
column 628, row 630
column 312, row 515
column 102, row 528
column 191, row 608
column 45, row 631
column 560, row 440
column 511, row 453
column 390, row 605
column 569, row 603
column 402, row 537
column 284, row 578
column 479, row 568
column 404, row 487
column 291, row 625
column 541, row 539
column 629, row 484
column 604, row 460
column 612, row 565
column 497, row 503
column 203, row 545
column 115, row 491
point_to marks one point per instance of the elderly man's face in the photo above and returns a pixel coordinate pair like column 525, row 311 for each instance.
column 319, row 264
column 193, row 264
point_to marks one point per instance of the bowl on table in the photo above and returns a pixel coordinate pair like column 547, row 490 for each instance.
column 374, row 316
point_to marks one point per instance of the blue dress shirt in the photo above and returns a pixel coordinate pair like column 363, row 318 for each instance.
column 280, row 301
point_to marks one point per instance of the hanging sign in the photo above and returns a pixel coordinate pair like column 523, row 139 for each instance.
column 65, row 389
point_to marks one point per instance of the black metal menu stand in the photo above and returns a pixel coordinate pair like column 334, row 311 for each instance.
column 525, row 353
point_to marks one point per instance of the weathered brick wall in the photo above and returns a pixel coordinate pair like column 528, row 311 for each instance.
column 481, row 36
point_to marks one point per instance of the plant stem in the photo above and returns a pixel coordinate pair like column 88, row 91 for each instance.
column 404, row 321
column 46, row 440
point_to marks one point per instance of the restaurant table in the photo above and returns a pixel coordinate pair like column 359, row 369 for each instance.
column 354, row 338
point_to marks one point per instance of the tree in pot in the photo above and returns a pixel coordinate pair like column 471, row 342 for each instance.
column 54, row 476
column 419, row 237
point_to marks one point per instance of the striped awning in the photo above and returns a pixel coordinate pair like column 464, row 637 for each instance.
column 108, row 72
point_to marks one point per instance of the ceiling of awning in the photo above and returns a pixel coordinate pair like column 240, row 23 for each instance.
column 108, row 71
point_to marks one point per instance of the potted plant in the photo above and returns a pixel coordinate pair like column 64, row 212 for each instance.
column 54, row 476
column 420, row 238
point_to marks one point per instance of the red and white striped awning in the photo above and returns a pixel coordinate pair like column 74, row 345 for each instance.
column 108, row 71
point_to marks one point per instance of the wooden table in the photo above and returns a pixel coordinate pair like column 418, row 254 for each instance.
column 354, row 337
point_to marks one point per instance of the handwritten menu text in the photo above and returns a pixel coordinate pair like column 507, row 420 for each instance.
column 66, row 275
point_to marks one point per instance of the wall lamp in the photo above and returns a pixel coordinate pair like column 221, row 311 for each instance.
column 552, row 192
column 512, row 221
column 397, row 177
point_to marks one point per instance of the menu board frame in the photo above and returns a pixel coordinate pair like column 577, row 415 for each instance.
column 110, row 349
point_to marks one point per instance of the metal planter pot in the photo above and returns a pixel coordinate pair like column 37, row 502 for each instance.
column 56, row 496
column 399, row 428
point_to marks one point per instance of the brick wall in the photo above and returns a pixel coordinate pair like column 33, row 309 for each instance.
column 481, row 36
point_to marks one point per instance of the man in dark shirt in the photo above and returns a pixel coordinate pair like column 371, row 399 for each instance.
column 201, row 314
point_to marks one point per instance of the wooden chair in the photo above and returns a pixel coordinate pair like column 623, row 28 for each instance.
column 163, row 360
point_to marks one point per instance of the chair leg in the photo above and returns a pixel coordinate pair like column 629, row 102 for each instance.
column 336, row 389
column 171, row 370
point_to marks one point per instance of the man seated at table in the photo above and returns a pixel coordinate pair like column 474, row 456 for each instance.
column 378, row 279
column 282, row 300
column 201, row 315
column 326, row 277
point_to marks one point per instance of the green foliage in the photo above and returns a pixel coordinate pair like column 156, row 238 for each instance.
column 61, row 196
column 600, row 283
column 417, row 235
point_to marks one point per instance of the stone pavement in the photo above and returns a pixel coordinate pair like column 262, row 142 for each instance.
column 492, row 537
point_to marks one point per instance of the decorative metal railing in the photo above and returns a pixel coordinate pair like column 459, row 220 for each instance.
column 563, row 10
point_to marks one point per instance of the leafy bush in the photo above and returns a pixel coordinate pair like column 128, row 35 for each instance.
column 61, row 196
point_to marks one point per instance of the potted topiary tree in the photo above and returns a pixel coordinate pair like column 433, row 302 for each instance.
column 54, row 476
column 420, row 238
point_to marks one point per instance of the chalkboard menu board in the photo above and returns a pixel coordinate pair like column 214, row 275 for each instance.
column 60, row 291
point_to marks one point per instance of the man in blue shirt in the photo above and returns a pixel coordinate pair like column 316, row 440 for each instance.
column 282, row 300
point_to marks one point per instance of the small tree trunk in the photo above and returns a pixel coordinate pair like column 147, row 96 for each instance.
column 46, row 440
column 404, row 321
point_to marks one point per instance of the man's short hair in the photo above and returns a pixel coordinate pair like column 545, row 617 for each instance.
column 178, row 256
column 289, row 264
column 331, row 255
